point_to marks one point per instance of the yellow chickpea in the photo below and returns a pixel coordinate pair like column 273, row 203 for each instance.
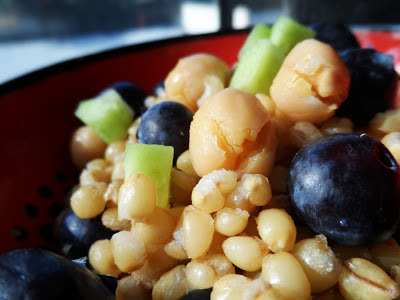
column 232, row 131
column 312, row 82
column 186, row 83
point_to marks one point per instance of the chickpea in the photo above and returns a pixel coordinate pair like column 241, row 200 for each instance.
column 232, row 131
column 311, row 83
column 186, row 83
column 85, row 146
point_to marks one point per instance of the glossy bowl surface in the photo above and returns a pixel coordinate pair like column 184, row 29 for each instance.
column 37, row 121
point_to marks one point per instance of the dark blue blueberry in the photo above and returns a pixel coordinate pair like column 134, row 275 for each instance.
column 372, row 86
column 132, row 94
column 346, row 186
column 198, row 295
column 337, row 35
column 166, row 123
column 76, row 235
column 39, row 274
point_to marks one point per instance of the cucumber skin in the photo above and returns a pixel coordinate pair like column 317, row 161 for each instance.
column 154, row 161
column 286, row 33
column 258, row 68
column 107, row 114
column 259, row 31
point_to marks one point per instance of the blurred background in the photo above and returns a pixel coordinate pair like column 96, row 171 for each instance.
column 38, row 33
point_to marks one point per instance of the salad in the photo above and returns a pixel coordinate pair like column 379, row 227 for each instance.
column 275, row 178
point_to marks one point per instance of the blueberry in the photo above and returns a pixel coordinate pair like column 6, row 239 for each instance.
column 132, row 94
column 346, row 186
column 76, row 235
column 197, row 295
column 372, row 87
column 39, row 274
column 337, row 35
column 166, row 123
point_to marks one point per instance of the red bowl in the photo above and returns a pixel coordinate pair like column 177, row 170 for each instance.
column 37, row 122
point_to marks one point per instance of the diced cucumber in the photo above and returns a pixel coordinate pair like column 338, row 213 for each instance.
column 257, row 68
column 154, row 161
column 286, row 33
column 107, row 114
column 260, row 31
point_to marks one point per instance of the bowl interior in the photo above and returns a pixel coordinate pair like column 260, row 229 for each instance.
column 37, row 122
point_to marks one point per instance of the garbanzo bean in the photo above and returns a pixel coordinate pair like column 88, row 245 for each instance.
column 85, row 146
column 136, row 197
column 285, row 274
column 245, row 252
column 319, row 263
column 185, row 83
column 311, row 83
column 232, row 131
column 361, row 279
column 277, row 229
column 128, row 251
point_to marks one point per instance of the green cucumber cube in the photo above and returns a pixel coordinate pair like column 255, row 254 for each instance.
column 107, row 114
column 259, row 31
column 286, row 33
column 154, row 161
column 257, row 68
